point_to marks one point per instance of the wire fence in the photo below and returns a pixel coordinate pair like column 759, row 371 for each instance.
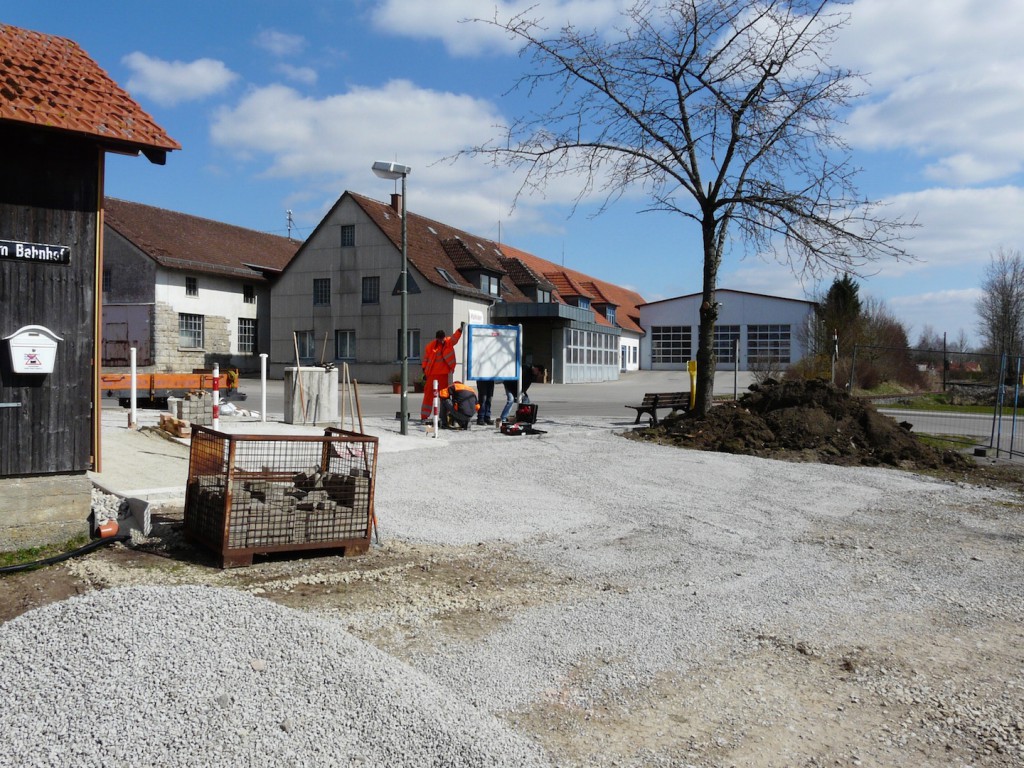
column 965, row 397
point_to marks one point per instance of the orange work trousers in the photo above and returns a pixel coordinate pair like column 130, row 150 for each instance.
column 427, row 409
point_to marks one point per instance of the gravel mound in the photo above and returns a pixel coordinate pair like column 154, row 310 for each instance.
column 176, row 676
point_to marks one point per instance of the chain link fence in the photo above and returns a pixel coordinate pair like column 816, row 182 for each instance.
column 964, row 397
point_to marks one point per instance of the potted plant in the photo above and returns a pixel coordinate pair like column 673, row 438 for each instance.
column 420, row 383
column 396, row 382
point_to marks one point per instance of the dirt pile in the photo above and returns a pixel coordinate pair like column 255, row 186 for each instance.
column 803, row 421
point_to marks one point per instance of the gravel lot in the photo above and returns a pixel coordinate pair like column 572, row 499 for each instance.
column 608, row 602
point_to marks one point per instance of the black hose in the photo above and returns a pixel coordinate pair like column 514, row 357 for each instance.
column 84, row 549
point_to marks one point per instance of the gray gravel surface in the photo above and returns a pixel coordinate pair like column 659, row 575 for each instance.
column 192, row 676
column 649, row 567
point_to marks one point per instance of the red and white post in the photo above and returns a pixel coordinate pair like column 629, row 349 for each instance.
column 436, row 406
column 216, row 395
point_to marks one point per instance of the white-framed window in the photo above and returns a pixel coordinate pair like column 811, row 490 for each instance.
column 345, row 344
column 543, row 297
column 371, row 290
column 191, row 286
column 671, row 343
column 769, row 344
column 306, row 343
column 246, row 335
column 489, row 284
column 414, row 343
column 726, row 339
column 321, row 291
column 348, row 235
column 190, row 331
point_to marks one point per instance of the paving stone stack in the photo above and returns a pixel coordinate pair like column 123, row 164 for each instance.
column 195, row 408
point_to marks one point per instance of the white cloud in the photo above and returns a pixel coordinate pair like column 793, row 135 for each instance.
column 303, row 75
column 943, row 83
column 443, row 20
column 330, row 143
column 172, row 82
column 280, row 43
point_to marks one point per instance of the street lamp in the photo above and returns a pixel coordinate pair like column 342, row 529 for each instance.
column 395, row 171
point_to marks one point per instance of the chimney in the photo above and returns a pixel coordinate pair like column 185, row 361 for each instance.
column 396, row 202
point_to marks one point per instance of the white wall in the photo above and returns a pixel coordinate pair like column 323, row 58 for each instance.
column 737, row 308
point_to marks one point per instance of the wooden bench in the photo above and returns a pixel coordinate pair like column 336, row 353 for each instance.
column 674, row 401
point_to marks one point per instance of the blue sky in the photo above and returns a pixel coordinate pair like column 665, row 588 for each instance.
column 283, row 106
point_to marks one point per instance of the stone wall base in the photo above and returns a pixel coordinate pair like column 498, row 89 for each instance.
column 35, row 511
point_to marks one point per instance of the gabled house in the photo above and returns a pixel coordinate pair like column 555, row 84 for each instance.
column 185, row 291
column 339, row 298
column 754, row 331
column 60, row 113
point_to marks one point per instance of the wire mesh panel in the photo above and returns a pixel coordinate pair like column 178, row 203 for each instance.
column 253, row 494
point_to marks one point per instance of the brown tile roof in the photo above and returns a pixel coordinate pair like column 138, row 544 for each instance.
column 50, row 82
column 189, row 243
column 626, row 301
column 433, row 246
column 520, row 273
column 427, row 253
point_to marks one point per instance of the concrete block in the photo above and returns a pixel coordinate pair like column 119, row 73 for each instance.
column 50, row 509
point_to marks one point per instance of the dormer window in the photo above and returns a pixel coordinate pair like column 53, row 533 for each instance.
column 489, row 284
column 609, row 314
column 543, row 297
column 582, row 303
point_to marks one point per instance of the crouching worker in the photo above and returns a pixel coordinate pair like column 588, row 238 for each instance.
column 458, row 406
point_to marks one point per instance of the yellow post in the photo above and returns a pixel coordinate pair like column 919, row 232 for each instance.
column 691, row 366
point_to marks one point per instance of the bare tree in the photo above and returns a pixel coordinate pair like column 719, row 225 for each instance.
column 1001, row 306
column 723, row 112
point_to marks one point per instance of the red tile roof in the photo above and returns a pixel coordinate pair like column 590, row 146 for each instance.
column 183, row 242
column 50, row 82
column 626, row 301
column 428, row 252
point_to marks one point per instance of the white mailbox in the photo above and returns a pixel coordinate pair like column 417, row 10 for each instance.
column 33, row 349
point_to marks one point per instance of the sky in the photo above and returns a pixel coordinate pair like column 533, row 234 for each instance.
column 282, row 106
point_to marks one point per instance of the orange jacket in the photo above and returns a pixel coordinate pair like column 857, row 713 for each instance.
column 439, row 356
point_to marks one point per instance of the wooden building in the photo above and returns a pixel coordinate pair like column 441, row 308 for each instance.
column 59, row 114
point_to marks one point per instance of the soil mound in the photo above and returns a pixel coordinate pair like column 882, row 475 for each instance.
column 803, row 421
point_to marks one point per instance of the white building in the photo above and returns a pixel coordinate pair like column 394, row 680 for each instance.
column 753, row 330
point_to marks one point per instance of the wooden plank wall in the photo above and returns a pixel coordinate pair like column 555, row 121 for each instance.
column 50, row 195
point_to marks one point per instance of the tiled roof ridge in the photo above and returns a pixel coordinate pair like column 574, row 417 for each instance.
column 426, row 220
column 204, row 219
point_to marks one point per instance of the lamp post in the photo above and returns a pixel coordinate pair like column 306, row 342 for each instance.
column 395, row 171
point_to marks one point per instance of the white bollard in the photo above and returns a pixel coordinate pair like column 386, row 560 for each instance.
column 263, row 387
column 435, row 406
column 133, row 422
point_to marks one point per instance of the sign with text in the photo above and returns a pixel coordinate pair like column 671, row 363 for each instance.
column 38, row 253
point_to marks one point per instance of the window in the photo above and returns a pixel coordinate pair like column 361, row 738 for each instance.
column 246, row 335
column 543, row 297
column 414, row 343
column 609, row 315
column 444, row 273
column 670, row 343
column 191, row 286
column 249, row 294
column 348, row 235
column 726, row 339
column 345, row 344
column 107, row 280
column 768, row 343
column 306, row 344
column 190, row 331
column 321, row 291
column 489, row 284
column 371, row 290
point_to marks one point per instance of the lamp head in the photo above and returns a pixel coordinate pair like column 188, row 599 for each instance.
column 391, row 170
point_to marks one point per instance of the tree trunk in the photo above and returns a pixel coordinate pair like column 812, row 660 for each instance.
column 708, row 316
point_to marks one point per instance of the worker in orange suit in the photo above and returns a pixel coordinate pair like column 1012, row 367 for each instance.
column 438, row 363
